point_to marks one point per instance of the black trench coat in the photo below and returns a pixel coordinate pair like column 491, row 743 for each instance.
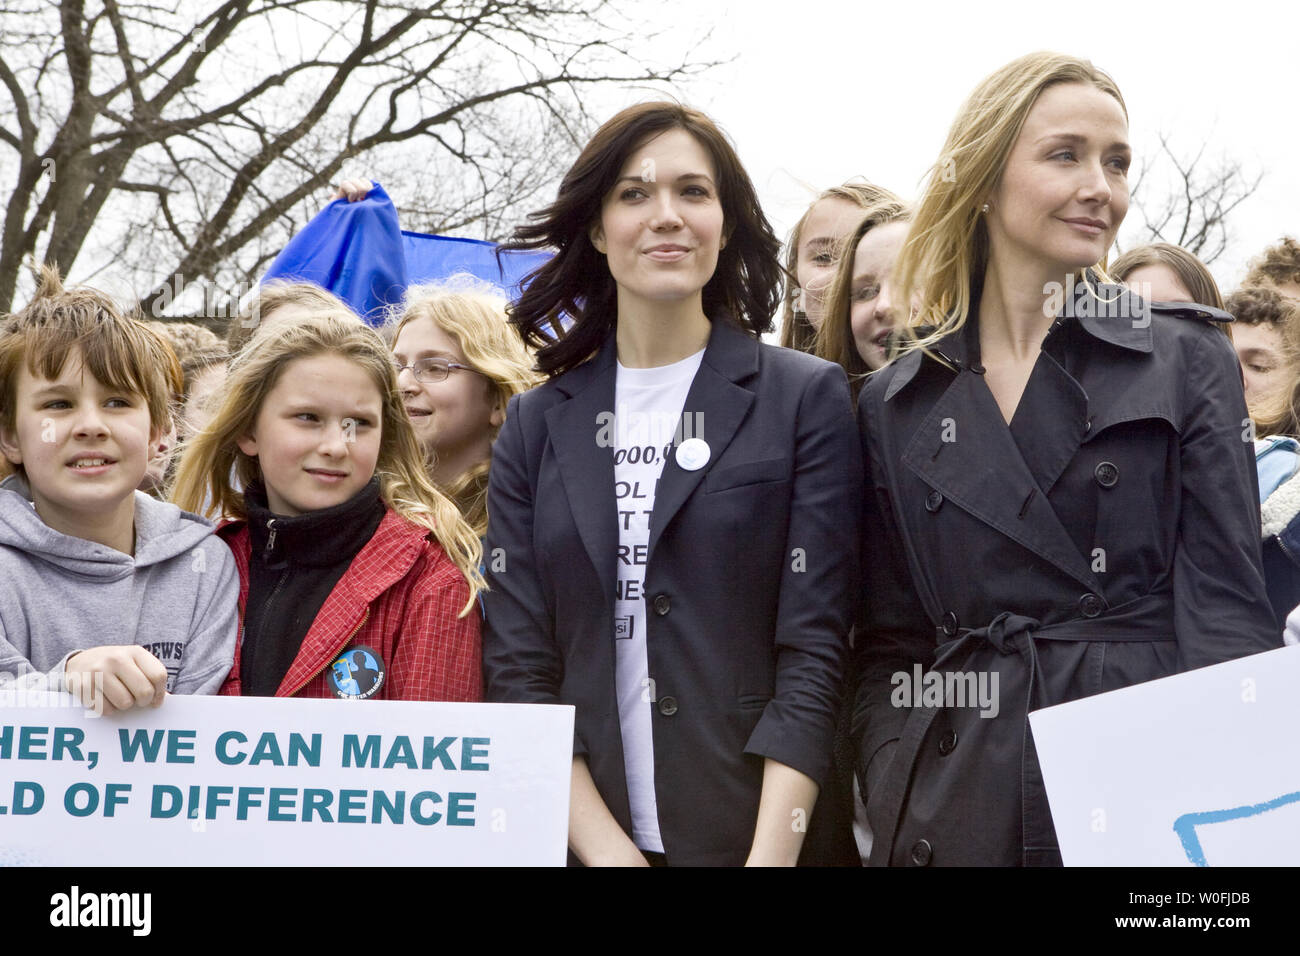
column 1108, row 536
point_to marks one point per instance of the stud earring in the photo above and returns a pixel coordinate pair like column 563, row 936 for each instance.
column 985, row 209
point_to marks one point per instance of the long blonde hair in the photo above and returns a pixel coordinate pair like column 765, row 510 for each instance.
column 834, row 341
column 203, row 482
column 796, row 331
column 476, row 320
column 948, row 244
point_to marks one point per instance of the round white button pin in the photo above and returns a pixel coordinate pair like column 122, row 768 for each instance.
column 693, row 454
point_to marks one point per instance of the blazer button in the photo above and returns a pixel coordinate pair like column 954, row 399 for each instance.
column 1106, row 474
column 933, row 501
column 921, row 853
column 662, row 604
column 947, row 743
column 1090, row 605
column 667, row 706
column 949, row 624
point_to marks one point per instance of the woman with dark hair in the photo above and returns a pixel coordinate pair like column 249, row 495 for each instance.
column 666, row 547
column 1060, row 495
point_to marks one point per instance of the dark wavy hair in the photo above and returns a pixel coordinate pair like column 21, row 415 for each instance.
column 576, row 283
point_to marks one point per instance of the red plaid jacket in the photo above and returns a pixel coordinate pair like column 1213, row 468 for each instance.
column 400, row 596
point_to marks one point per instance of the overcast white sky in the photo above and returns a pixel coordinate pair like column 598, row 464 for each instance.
column 815, row 92
column 823, row 90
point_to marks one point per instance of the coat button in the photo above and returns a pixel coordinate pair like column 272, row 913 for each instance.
column 947, row 743
column 1106, row 474
column 921, row 853
column 933, row 501
column 662, row 604
column 949, row 624
column 1090, row 605
column 667, row 706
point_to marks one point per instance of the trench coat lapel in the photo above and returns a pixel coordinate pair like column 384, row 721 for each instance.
column 1056, row 413
column 964, row 450
column 1051, row 421
column 717, row 405
column 586, row 466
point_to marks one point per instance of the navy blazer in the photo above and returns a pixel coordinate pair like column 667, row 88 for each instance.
column 749, row 581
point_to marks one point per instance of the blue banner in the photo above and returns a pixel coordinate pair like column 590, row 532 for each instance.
column 431, row 258
column 358, row 251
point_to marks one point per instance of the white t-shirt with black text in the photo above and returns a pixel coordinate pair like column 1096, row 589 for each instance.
column 648, row 403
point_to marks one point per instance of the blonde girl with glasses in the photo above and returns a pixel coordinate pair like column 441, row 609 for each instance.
column 458, row 364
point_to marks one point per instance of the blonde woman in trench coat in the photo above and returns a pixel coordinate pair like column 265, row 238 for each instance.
column 1061, row 495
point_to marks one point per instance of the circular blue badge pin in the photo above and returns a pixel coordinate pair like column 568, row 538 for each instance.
column 358, row 673
column 693, row 454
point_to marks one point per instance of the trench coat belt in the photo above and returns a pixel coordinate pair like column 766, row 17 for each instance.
column 1148, row 618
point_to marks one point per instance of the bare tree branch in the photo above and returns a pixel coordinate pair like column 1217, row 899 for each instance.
column 194, row 143
column 1196, row 199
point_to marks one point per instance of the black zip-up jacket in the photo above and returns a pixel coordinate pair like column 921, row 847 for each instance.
column 295, row 563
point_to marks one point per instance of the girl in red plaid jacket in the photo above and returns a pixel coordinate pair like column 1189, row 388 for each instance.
column 358, row 577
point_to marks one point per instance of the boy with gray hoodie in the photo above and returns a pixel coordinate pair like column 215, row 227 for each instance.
column 104, row 592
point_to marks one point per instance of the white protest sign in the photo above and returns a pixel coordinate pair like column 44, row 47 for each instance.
column 1198, row 769
column 249, row 781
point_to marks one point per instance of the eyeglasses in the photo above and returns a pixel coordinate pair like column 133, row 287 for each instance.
column 431, row 370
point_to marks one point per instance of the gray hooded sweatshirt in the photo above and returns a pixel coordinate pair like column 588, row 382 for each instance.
column 176, row 597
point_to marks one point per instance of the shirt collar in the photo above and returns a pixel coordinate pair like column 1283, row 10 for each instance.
column 731, row 350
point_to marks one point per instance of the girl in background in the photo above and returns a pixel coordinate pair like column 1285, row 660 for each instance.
column 344, row 545
column 812, row 253
column 1170, row 273
column 860, row 309
column 1163, row 272
column 459, row 364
